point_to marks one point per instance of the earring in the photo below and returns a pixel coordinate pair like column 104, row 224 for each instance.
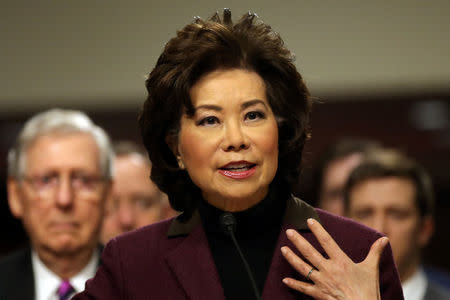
column 180, row 163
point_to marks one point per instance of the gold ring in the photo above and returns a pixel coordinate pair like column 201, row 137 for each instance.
column 310, row 272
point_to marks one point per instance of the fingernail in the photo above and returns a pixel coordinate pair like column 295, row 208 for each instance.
column 310, row 221
column 384, row 241
column 285, row 281
column 290, row 232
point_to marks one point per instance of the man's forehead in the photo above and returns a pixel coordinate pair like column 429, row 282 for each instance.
column 74, row 150
column 56, row 136
column 384, row 192
column 133, row 158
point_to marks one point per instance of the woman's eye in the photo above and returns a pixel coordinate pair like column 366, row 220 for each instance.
column 255, row 115
column 208, row 121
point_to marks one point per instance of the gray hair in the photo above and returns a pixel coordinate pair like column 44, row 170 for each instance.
column 58, row 121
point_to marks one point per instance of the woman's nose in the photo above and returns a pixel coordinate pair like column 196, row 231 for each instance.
column 235, row 138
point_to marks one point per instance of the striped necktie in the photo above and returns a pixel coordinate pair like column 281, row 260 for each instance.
column 65, row 290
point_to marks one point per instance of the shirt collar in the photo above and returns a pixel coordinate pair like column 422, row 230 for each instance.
column 297, row 212
column 86, row 273
column 47, row 282
column 414, row 288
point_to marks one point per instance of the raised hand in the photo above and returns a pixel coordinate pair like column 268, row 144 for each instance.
column 336, row 277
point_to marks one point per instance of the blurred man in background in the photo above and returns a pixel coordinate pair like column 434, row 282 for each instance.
column 59, row 176
column 332, row 169
column 136, row 201
column 393, row 194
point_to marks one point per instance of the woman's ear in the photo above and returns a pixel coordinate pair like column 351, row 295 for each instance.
column 172, row 142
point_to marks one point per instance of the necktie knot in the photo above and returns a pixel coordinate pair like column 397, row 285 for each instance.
column 65, row 290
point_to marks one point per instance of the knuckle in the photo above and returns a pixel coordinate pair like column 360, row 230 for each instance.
column 326, row 239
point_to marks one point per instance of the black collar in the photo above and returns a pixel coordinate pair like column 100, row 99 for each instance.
column 297, row 212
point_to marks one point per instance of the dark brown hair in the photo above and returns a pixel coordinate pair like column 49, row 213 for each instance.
column 205, row 46
column 383, row 163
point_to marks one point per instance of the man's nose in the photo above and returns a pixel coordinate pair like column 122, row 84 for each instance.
column 126, row 217
column 64, row 192
column 379, row 224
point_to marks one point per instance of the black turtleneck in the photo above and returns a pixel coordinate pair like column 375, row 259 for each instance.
column 257, row 232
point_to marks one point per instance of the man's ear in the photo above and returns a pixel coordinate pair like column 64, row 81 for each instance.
column 426, row 230
column 15, row 198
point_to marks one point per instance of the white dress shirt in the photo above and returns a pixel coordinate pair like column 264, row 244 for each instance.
column 414, row 288
column 46, row 282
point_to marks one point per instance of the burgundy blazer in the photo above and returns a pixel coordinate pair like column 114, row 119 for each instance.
column 172, row 260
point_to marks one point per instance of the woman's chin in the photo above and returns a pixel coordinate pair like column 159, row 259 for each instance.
column 234, row 202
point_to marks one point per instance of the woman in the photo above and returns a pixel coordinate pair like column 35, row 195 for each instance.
column 224, row 124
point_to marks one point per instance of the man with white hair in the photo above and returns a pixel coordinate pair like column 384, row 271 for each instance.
column 59, row 176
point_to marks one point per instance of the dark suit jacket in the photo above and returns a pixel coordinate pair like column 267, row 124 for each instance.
column 172, row 260
column 16, row 276
column 437, row 276
column 435, row 292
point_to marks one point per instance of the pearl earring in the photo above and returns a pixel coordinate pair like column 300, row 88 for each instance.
column 180, row 163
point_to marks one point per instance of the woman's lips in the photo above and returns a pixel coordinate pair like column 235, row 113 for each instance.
column 238, row 170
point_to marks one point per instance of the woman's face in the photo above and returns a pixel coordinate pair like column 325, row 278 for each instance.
column 230, row 145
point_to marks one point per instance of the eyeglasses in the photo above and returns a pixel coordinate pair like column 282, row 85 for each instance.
column 79, row 182
column 135, row 203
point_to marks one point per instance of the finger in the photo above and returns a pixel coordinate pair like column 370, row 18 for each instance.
column 325, row 239
column 373, row 258
column 305, row 248
column 301, row 266
column 303, row 287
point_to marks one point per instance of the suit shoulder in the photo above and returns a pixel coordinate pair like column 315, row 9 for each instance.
column 159, row 228
column 16, row 275
column 436, row 292
column 133, row 251
column 14, row 259
column 147, row 237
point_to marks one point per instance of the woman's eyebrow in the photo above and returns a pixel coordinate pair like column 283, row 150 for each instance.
column 208, row 106
column 252, row 103
column 219, row 108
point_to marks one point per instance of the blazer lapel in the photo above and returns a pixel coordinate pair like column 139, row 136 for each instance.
column 193, row 266
column 274, row 288
column 297, row 212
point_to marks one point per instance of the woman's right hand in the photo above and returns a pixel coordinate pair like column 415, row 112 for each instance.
column 336, row 277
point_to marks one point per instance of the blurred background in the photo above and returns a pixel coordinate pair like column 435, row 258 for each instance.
column 376, row 69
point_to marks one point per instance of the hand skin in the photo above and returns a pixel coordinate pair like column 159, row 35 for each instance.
column 337, row 277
